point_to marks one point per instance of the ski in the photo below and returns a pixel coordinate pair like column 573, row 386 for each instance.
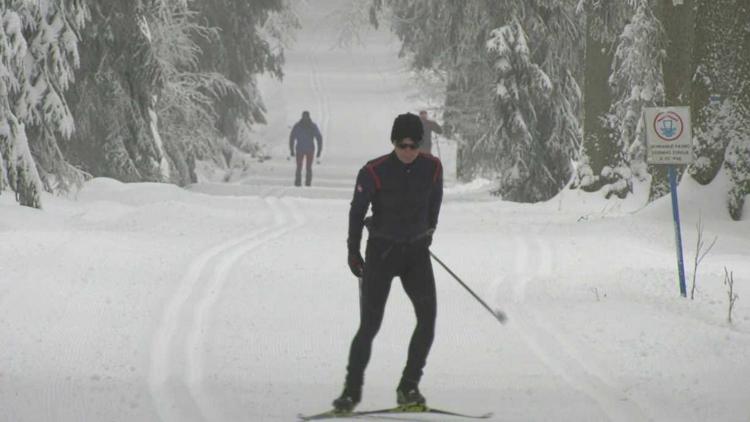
column 333, row 414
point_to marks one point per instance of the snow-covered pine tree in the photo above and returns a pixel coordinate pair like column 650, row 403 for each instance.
column 184, row 107
column 738, row 155
column 733, row 117
column 240, row 50
column 469, row 111
column 519, row 86
column 38, row 53
column 115, row 94
column 536, row 133
column 600, row 152
column 555, row 38
column 713, row 85
column 430, row 74
column 351, row 18
column 450, row 38
column 636, row 82
column 537, row 106
column 720, row 99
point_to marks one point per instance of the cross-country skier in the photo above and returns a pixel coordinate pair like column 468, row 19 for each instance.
column 304, row 133
column 405, row 189
column 428, row 126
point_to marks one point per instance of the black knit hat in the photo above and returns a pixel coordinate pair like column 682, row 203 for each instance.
column 407, row 126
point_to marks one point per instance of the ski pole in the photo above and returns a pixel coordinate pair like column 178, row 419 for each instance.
column 497, row 313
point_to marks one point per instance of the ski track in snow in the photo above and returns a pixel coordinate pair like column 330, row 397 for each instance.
column 176, row 372
column 549, row 345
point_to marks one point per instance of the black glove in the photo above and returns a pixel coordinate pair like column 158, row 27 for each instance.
column 356, row 263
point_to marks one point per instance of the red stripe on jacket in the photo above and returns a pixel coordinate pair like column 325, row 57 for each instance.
column 438, row 165
column 371, row 169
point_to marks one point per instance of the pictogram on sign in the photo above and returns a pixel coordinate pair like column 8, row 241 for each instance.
column 668, row 126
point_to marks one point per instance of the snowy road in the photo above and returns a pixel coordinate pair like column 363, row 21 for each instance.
column 159, row 304
column 177, row 373
column 545, row 341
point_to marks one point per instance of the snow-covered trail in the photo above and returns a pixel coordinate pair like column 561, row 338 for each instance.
column 535, row 258
column 160, row 304
column 176, row 373
column 281, row 328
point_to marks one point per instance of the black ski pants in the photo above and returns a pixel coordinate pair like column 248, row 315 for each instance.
column 385, row 260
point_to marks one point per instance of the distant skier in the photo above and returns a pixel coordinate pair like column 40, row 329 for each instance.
column 405, row 189
column 428, row 126
column 304, row 133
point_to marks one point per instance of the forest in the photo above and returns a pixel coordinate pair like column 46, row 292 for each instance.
column 540, row 95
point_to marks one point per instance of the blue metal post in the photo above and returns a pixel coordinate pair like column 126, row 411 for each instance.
column 677, row 230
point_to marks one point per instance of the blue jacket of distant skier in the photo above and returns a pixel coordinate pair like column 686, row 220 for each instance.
column 305, row 132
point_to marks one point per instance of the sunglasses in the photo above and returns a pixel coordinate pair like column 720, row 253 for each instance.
column 405, row 146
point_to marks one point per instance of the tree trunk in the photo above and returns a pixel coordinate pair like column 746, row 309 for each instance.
column 679, row 66
column 715, row 56
column 738, row 160
column 600, row 147
column 28, row 184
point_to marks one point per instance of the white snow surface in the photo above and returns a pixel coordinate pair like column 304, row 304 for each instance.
column 233, row 301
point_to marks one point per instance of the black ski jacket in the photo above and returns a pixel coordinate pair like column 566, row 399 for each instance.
column 405, row 198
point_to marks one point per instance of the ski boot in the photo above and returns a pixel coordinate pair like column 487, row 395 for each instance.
column 409, row 397
column 348, row 399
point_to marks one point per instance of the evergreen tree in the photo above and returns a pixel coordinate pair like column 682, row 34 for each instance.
column 724, row 125
column 454, row 37
column 528, row 172
column 247, row 42
column 630, row 37
column 555, row 41
column 600, row 152
column 184, row 108
column 736, row 112
column 114, row 98
column 448, row 38
column 636, row 82
column 38, row 52
column 470, row 99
